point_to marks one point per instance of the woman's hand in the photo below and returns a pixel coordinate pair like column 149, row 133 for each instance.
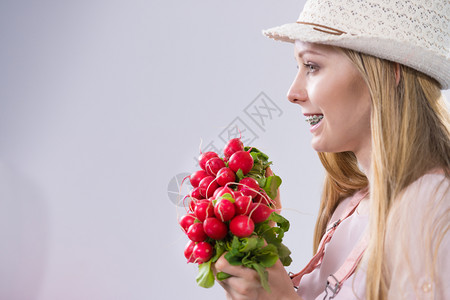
column 244, row 282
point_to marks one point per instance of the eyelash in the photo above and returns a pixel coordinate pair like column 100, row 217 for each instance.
column 310, row 67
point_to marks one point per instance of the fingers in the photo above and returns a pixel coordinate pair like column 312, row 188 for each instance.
column 240, row 288
column 243, row 283
column 222, row 265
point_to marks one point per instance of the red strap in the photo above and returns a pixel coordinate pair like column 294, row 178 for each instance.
column 317, row 258
column 350, row 264
column 335, row 281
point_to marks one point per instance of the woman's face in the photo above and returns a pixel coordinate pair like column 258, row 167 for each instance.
column 334, row 98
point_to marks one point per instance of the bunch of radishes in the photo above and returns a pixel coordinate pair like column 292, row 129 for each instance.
column 231, row 204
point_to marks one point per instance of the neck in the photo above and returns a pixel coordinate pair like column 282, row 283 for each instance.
column 364, row 160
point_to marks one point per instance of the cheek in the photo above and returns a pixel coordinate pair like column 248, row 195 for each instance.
column 362, row 102
column 355, row 97
column 350, row 109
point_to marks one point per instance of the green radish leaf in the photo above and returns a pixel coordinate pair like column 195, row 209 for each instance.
column 234, row 256
column 261, row 181
column 281, row 221
column 248, row 261
column 260, row 164
column 269, row 248
column 234, row 260
column 271, row 236
column 271, row 185
column 283, row 251
column 254, row 151
column 267, row 260
column 239, row 175
column 262, row 227
column 249, row 244
column 286, row 261
column 284, row 254
column 220, row 248
column 205, row 276
column 263, row 276
column 254, row 156
column 222, row 276
column 227, row 196
column 235, row 244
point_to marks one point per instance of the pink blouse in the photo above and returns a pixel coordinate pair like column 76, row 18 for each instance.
column 417, row 246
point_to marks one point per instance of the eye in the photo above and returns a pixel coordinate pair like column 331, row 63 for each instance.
column 310, row 68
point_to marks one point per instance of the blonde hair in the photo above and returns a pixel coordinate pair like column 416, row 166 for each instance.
column 410, row 136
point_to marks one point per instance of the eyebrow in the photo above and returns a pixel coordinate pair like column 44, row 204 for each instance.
column 301, row 53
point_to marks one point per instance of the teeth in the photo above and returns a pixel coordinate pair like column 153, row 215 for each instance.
column 314, row 119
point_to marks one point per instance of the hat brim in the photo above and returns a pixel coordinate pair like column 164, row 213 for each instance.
column 403, row 52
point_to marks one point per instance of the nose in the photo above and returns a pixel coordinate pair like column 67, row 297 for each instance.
column 297, row 93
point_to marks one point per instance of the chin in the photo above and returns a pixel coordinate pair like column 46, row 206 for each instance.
column 326, row 148
column 318, row 145
column 319, row 149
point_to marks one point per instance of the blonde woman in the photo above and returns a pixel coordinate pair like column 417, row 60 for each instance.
column 369, row 82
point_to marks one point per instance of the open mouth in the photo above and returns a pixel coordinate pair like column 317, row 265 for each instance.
column 314, row 119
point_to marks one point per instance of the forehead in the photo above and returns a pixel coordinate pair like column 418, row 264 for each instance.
column 302, row 48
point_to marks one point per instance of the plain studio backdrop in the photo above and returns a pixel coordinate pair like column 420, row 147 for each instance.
column 104, row 106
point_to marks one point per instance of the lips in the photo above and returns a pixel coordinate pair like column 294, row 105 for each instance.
column 313, row 119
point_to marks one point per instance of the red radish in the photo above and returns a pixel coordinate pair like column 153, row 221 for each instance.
column 260, row 212
column 238, row 194
column 186, row 221
column 204, row 157
column 233, row 145
column 203, row 210
column 263, row 198
column 202, row 252
column 242, row 226
column 196, row 233
column 195, row 193
column 193, row 204
column 213, row 165
column 224, row 210
column 214, row 228
column 222, row 191
column 224, row 176
column 248, row 186
column 207, row 186
column 188, row 252
column 241, row 160
column 196, row 177
column 243, row 205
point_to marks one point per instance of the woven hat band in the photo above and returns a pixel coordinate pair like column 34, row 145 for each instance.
column 323, row 28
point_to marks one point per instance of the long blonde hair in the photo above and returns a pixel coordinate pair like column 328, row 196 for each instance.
column 410, row 136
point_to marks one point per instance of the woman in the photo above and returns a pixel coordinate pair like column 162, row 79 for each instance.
column 369, row 83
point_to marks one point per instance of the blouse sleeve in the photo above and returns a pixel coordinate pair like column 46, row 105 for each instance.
column 418, row 241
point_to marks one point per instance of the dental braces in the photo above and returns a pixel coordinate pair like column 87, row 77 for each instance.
column 314, row 119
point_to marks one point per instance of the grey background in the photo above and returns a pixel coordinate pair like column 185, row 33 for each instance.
column 102, row 103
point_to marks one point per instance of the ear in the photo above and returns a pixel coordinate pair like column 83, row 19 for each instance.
column 397, row 73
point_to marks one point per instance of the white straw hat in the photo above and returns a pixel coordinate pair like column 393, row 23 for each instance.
column 414, row 33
